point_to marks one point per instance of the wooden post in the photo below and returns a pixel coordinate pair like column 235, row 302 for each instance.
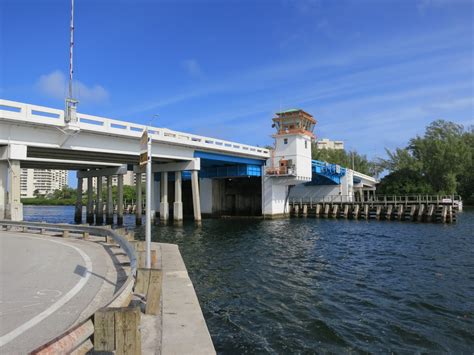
column 153, row 295
column 127, row 332
column 143, row 280
column 305, row 210
column 318, row 210
column 104, row 329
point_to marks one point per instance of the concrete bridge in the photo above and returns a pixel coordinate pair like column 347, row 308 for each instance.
column 193, row 175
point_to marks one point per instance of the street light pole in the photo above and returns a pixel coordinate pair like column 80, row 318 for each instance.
column 148, row 203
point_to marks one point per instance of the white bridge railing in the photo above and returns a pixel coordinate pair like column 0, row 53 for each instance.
column 40, row 115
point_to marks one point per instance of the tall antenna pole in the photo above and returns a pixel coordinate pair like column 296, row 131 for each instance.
column 71, row 47
column 70, row 114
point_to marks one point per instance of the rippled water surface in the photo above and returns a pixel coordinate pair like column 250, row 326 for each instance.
column 317, row 285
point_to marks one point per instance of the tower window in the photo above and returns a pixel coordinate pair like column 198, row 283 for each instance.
column 285, row 140
column 306, row 144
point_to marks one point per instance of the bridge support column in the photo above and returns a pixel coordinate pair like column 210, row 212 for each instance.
column 196, row 199
column 78, row 211
column 178, row 198
column 14, row 207
column 99, row 213
column 109, row 219
column 164, row 205
column 155, row 199
column 138, row 210
column 90, row 201
column 120, row 199
column 3, row 187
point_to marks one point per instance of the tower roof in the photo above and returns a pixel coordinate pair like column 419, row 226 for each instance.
column 294, row 121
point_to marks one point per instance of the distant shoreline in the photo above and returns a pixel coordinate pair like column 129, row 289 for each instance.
column 46, row 202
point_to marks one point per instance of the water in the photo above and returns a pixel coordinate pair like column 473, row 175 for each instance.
column 323, row 285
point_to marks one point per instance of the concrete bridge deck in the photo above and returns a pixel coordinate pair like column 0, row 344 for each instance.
column 50, row 284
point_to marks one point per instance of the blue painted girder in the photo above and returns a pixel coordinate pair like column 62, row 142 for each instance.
column 326, row 174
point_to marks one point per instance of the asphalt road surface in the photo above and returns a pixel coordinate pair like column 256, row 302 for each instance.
column 46, row 285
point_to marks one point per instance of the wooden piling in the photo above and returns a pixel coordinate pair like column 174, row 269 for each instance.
column 326, row 210
column 153, row 295
column 355, row 211
column 421, row 211
column 305, row 210
column 104, row 329
column 127, row 331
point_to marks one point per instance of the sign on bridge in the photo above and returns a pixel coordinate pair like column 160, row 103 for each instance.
column 144, row 148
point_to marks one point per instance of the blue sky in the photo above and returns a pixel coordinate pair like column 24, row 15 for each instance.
column 373, row 73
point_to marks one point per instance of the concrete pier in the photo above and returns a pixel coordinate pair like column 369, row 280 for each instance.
column 99, row 213
column 78, row 210
column 90, row 201
column 110, row 203
column 178, row 198
column 13, row 206
column 120, row 199
column 196, row 199
column 164, row 205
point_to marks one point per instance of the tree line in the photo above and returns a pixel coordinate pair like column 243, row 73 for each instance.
column 439, row 162
column 68, row 196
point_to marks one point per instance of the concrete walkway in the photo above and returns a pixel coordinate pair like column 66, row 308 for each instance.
column 49, row 284
column 181, row 327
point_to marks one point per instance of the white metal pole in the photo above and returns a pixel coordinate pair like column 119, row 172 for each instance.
column 71, row 46
column 148, row 205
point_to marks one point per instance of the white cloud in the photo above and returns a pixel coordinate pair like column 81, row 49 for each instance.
column 424, row 5
column 193, row 68
column 55, row 85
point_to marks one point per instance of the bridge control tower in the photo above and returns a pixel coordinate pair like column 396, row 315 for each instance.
column 291, row 157
column 290, row 162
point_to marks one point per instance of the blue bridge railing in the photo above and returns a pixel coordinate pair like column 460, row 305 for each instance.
column 326, row 174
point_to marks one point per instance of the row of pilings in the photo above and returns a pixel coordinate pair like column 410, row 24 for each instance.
column 415, row 212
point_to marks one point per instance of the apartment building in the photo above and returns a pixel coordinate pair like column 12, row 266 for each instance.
column 329, row 144
column 128, row 180
column 42, row 181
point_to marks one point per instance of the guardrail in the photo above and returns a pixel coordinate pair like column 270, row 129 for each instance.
column 79, row 334
column 48, row 116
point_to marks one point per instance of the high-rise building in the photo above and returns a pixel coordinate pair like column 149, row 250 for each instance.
column 328, row 144
column 128, row 180
column 42, row 181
